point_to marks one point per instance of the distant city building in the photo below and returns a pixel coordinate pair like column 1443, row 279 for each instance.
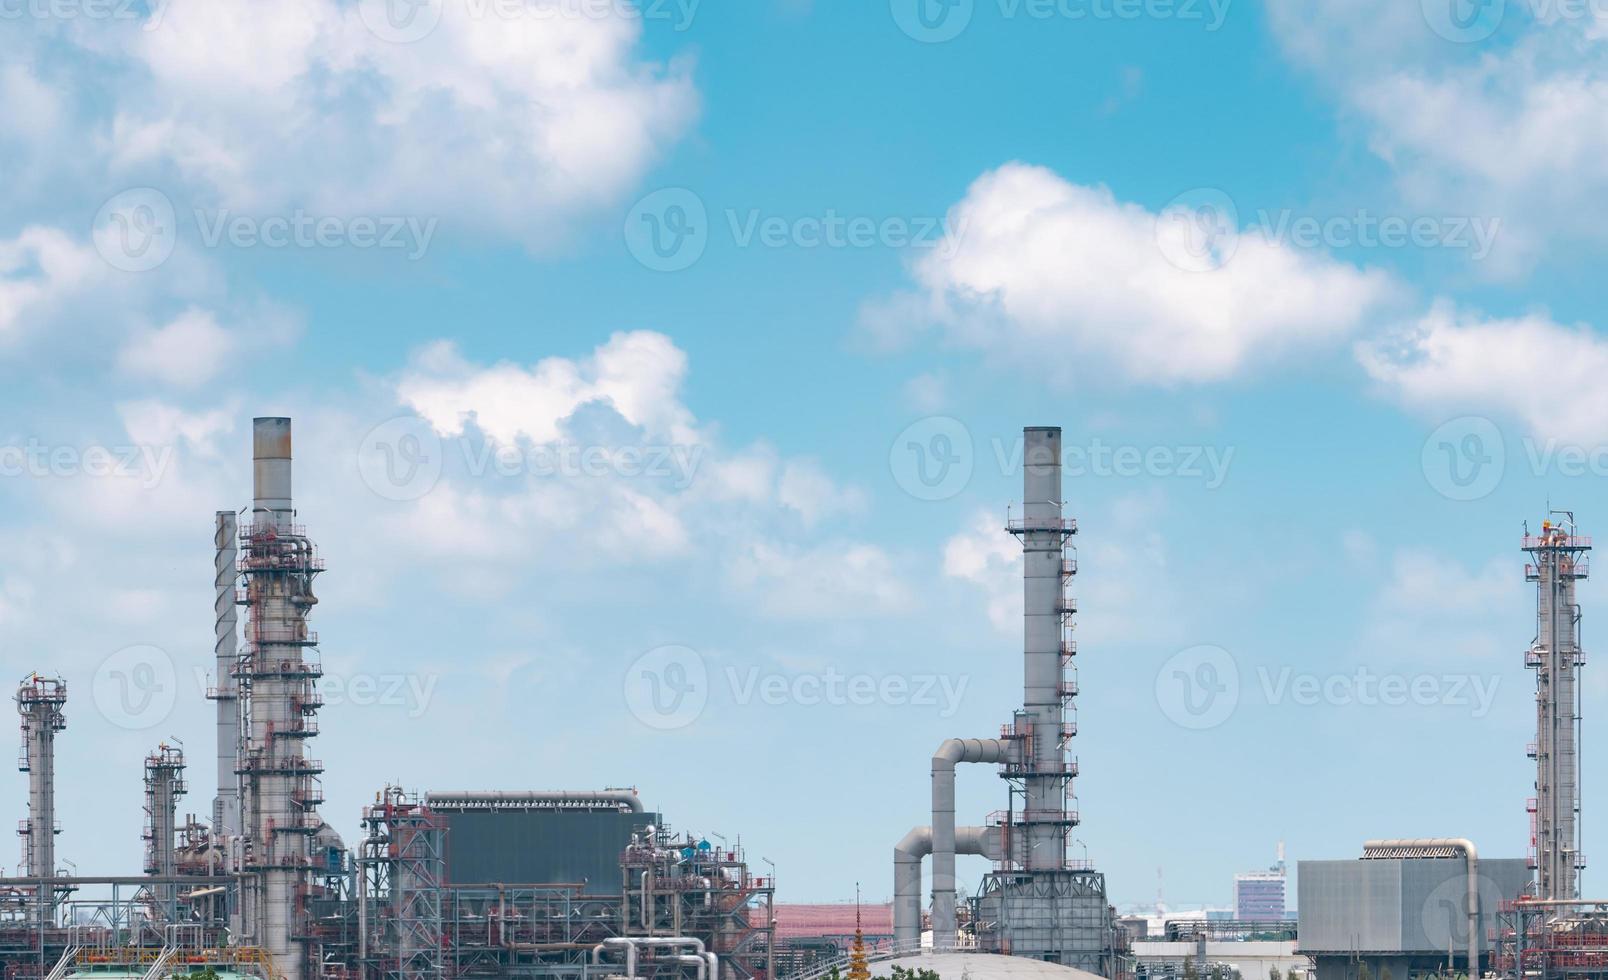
column 1259, row 896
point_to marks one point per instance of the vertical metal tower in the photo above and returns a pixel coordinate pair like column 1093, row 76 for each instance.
column 1558, row 560
column 164, row 787
column 278, row 680
column 1041, row 767
column 226, row 692
column 40, row 701
column 403, row 864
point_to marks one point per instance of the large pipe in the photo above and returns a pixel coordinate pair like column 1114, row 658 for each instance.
column 949, row 754
column 225, row 651
column 1436, row 847
column 907, row 855
column 497, row 799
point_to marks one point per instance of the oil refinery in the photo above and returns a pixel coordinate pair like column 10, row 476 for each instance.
column 518, row 882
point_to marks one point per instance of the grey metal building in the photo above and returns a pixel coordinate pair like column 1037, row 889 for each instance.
column 1408, row 916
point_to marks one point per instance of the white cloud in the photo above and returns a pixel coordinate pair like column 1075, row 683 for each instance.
column 1432, row 608
column 1499, row 130
column 806, row 489
column 188, row 351
column 1052, row 275
column 727, row 507
column 991, row 560
column 835, row 580
column 40, row 270
column 637, row 374
column 1459, row 362
column 513, row 118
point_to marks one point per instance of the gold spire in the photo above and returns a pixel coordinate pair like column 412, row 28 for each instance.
column 858, row 970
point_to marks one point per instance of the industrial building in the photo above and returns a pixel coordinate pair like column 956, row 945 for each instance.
column 1416, row 907
column 493, row 884
column 581, row 883
column 1035, row 902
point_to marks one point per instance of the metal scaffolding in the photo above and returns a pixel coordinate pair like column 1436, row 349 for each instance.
column 401, row 865
column 41, row 702
column 164, row 787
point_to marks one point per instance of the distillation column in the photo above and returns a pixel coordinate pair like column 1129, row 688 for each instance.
column 40, row 701
column 279, row 685
column 1558, row 561
column 1044, row 771
column 164, row 787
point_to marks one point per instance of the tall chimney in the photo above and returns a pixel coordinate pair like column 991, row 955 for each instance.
column 1046, row 653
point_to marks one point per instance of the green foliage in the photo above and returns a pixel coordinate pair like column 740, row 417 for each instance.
column 900, row 973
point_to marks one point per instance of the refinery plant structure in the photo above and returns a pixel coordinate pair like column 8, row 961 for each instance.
column 1035, row 902
column 575, row 884
column 492, row 884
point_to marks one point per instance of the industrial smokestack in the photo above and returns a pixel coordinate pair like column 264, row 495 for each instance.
column 1046, row 652
column 270, row 441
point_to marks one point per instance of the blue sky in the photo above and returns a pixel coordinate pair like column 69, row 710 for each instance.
column 1311, row 288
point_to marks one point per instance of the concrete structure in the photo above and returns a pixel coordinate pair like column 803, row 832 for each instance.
column 983, row 966
column 1252, row 959
column 1406, row 914
column 1558, row 559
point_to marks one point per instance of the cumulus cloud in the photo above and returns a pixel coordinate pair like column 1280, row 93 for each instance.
column 41, row 270
column 637, row 374
column 1451, row 361
column 1492, row 130
column 189, row 350
column 512, row 118
column 1054, row 275
column 627, row 394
